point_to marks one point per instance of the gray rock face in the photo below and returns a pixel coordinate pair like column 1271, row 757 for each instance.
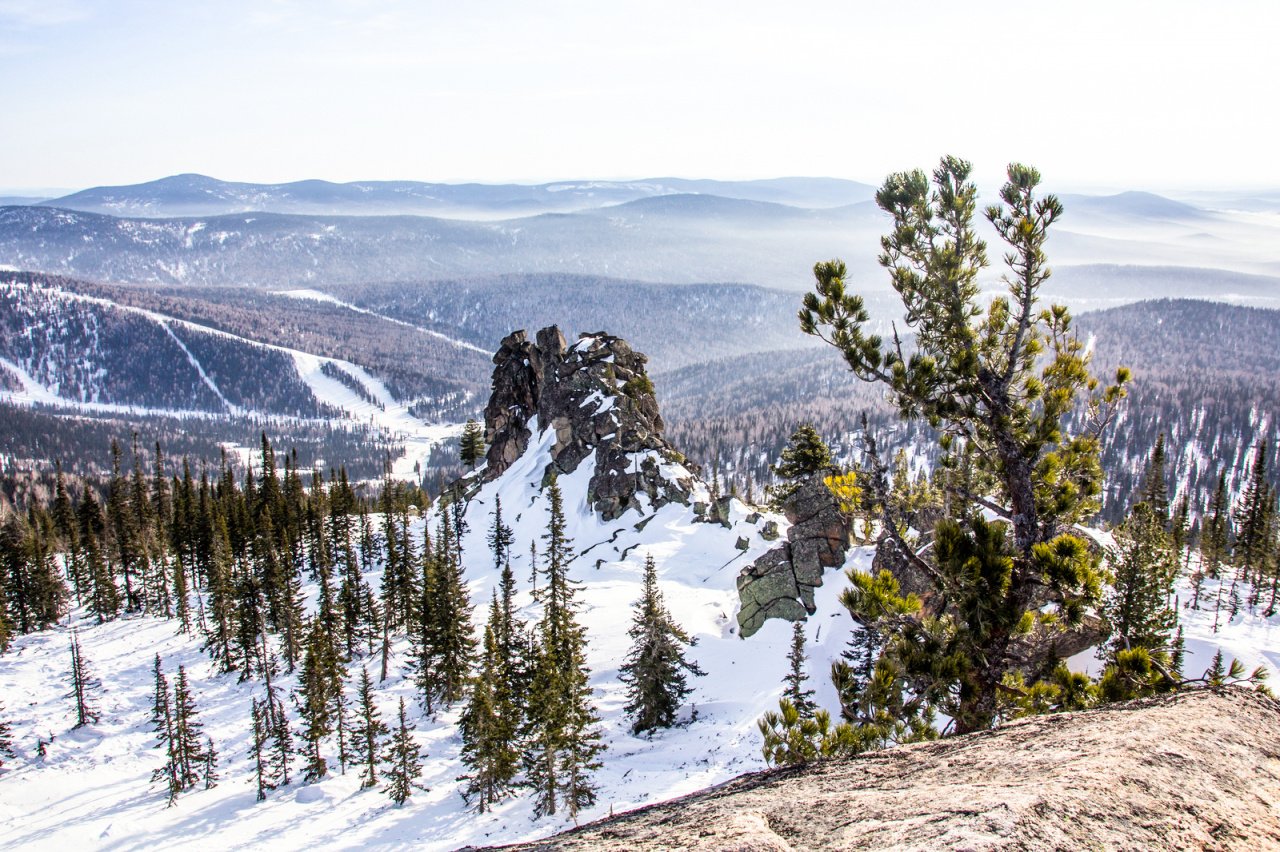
column 599, row 401
column 780, row 584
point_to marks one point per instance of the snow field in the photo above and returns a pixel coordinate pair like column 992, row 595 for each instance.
column 93, row 790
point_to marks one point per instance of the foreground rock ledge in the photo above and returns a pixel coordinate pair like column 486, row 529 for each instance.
column 1200, row 770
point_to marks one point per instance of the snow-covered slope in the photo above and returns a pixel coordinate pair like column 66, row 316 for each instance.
column 93, row 790
column 76, row 352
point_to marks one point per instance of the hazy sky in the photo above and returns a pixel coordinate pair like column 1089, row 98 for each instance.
column 1096, row 94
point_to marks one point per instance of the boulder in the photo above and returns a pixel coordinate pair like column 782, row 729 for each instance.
column 768, row 589
column 817, row 540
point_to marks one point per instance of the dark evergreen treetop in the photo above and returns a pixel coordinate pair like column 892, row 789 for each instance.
column 656, row 669
column 806, row 453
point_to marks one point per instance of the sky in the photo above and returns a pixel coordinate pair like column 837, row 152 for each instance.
column 1116, row 94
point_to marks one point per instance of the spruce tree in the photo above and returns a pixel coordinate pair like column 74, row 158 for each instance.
column 1144, row 566
column 1215, row 542
column 1253, row 518
column 6, row 624
column 280, row 742
column 104, row 598
column 210, row 770
column 188, row 746
column 500, row 537
column 6, row 738
column 260, row 757
column 562, row 740
column 1155, row 490
column 490, row 723
column 443, row 641
column 368, row 733
column 800, row 698
column 455, row 644
column 163, row 723
column 83, row 685
column 655, row 669
column 471, row 446
column 404, row 762
column 319, row 686
column 68, row 531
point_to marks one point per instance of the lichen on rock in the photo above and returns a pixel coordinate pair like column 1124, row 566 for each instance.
column 781, row 583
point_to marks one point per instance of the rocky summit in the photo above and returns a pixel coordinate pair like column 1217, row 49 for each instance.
column 1195, row 770
column 599, row 400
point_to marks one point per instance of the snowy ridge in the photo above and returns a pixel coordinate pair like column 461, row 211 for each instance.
column 318, row 296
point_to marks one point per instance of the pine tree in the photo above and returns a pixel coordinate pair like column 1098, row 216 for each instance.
column 404, row 759
column 997, row 380
column 800, row 698
column 83, row 685
column 471, row 446
column 368, row 733
column 792, row 739
column 490, row 723
column 655, row 669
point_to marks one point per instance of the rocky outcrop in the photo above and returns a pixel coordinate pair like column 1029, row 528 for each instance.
column 780, row 584
column 1196, row 770
column 600, row 403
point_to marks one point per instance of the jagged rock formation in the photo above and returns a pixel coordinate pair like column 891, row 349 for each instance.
column 599, row 401
column 780, row 584
column 1197, row 770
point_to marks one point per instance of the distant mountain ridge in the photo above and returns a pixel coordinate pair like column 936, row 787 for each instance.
column 200, row 195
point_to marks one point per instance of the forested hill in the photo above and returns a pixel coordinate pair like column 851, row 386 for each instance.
column 1205, row 373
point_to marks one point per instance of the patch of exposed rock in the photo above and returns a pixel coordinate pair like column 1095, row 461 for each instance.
column 1198, row 770
column 599, row 401
column 780, row 584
